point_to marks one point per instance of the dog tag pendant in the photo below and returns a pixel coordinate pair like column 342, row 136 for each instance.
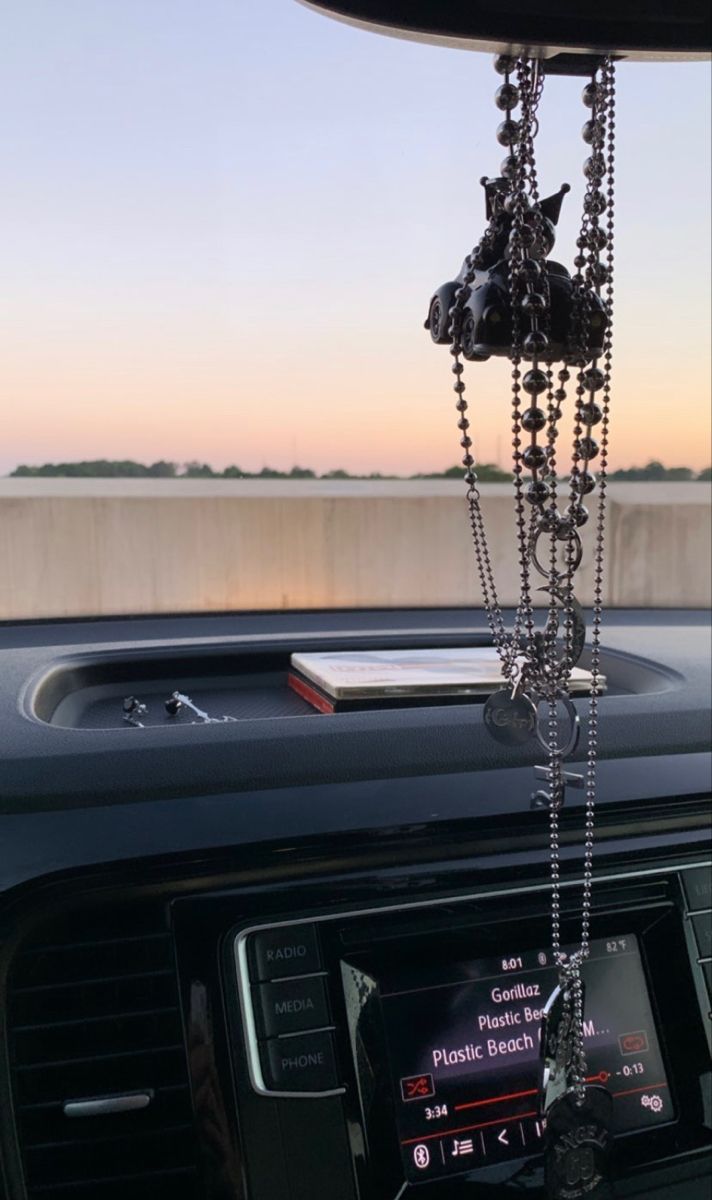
column 510, row 719
column 577, row 1158
column 557, row 1047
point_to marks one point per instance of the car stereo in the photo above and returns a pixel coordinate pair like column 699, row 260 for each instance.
column 463, row 1053
column 417, row 1026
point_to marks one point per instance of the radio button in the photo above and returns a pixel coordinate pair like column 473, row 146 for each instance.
column 303, row 1063
column 698, row 887
column 290, row 1006
column 290, row 950
column 702, row 926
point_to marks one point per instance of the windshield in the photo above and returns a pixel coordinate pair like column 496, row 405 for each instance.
column 222, row 223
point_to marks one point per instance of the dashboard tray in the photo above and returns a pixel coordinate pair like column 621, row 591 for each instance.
column 233, row 681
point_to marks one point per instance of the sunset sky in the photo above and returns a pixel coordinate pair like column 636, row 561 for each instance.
column 221, row 223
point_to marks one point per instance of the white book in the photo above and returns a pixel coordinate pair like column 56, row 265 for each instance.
column 363, row 674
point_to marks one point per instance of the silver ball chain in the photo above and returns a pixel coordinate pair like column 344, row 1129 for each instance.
column 546, row 674
column 605, row 114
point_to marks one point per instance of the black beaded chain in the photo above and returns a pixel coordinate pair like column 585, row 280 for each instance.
column 530, row 294
column 530, row 660
column 592, row 240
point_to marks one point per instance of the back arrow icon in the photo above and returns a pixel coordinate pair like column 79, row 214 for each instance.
column 502, row 1137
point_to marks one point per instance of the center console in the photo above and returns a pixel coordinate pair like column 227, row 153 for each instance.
column 303, row 957
column 416, row 1025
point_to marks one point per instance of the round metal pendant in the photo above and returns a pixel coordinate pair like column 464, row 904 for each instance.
column 578, row 632
column 510, row 720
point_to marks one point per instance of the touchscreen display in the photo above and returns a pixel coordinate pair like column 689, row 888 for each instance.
column 463, row 1045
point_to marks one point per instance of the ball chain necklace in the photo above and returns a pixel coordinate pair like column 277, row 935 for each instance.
column 511, row 300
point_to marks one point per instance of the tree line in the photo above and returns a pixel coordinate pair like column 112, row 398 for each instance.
column 127, row 469
column 487, row 472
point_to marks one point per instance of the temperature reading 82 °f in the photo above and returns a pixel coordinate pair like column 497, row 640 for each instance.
column 512, row 964
column 616, row 945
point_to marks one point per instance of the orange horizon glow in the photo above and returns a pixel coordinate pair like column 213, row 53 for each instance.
column 394, row 415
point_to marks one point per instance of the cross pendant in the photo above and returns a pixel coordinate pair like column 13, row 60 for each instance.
column 542, row 798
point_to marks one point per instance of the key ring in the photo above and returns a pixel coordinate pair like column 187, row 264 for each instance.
column 574, row 732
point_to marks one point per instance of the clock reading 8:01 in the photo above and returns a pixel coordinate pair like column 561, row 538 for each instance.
column 512, row 964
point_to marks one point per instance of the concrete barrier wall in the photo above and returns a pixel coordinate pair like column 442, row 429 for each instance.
column 99, row 547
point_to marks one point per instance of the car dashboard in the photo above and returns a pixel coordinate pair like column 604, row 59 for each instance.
column 291, row 955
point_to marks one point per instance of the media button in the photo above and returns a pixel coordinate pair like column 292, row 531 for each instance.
column 290, row 1006
column 289, row 950
column 303, row 1063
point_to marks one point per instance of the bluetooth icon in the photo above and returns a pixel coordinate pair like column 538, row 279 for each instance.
column 421, row 1157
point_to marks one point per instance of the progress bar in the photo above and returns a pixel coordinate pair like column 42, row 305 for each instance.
column 603, row 1078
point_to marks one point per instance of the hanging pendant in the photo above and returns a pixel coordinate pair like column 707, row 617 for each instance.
column 574, row 732
column 576, row 616
column 557, row 1047
column 509, row 300
column 577, row 1158
column 511, row 720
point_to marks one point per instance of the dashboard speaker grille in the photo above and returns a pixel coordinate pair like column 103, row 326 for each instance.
column 93, row 1014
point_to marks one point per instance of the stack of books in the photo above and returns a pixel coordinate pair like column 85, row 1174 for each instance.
column 349, row 680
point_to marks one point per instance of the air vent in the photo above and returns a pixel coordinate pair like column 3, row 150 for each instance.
column 93, row 1015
